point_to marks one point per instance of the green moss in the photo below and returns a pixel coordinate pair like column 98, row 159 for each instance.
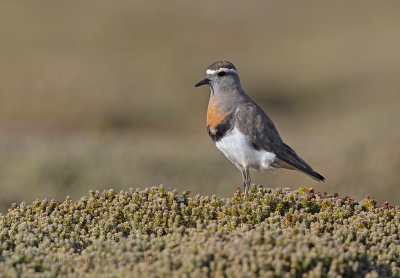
column 158, row 232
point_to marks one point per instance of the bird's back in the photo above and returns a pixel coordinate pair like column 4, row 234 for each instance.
column 252, row 121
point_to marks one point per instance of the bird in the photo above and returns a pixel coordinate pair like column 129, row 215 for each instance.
column 241, row 129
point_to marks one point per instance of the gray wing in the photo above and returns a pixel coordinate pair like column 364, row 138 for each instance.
column 252, row 120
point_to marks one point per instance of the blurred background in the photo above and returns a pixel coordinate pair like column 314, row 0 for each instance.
column 98, row 95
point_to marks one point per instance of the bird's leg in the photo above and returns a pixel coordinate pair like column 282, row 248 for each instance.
column 243, row 170
column 247, row 181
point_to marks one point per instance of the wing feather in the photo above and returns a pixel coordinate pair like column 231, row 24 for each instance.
column 253, row 121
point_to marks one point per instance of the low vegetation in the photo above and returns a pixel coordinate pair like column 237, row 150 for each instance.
column 158, row 232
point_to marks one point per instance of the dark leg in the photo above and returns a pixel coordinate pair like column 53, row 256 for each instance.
column 246, row 181
column 244, row 176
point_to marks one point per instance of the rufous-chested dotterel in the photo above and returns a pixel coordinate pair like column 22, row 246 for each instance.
column 242, row 130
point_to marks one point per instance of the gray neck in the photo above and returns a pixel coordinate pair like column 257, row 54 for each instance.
column 227, row 85
column 228, row 95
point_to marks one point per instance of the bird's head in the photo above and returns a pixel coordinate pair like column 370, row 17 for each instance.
column 222, row 76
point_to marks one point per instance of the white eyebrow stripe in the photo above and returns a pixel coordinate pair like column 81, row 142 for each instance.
column 221, row 69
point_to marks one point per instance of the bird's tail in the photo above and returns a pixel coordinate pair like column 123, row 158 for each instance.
column 315, row 176
column 290, row 157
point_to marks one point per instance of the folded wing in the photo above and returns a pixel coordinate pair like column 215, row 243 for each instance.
column 253, row 121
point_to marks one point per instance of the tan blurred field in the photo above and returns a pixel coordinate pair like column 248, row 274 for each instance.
column 100, row 94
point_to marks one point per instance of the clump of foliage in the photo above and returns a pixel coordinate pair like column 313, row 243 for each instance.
column 158, row 232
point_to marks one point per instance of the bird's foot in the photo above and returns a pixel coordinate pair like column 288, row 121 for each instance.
column 246, row 190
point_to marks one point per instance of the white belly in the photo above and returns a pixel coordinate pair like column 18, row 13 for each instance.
column 237, row 148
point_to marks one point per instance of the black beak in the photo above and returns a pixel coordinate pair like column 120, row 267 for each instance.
column 203, row 82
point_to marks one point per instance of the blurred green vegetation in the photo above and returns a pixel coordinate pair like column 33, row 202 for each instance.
column 100, row 94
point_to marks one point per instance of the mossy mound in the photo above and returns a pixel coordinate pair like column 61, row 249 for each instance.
column 155, row 232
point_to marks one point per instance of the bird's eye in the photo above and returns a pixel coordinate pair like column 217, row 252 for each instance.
column 221, row 73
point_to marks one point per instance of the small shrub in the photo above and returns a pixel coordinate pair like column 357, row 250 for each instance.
column 159, row 232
